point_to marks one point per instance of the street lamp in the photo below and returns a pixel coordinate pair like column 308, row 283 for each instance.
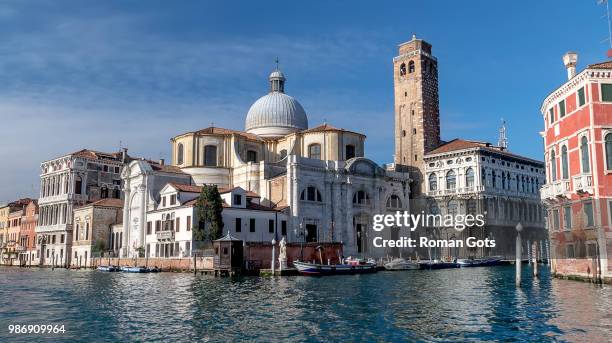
column 518, row 261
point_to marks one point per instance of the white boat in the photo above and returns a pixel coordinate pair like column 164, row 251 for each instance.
column 401, row 264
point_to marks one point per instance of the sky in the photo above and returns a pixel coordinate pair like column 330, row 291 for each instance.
column 100, row 75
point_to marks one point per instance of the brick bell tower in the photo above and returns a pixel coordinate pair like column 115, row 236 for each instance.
column 417, row 113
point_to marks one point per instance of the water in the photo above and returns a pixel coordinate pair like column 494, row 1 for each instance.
column 473, row 304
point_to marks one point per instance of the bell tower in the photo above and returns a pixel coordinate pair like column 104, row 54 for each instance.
column 417, row 113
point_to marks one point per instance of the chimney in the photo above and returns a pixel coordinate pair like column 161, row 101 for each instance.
column 569, row 60
column 124, row 155
column 161, row 161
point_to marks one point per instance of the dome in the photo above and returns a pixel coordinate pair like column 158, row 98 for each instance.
column 276, row 114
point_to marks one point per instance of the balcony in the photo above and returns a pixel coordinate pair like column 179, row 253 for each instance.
column 559, row 188
column 165, row 235
column 583, row 183
column 455, row 191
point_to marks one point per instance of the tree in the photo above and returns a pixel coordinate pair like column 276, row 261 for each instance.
column 209, row 209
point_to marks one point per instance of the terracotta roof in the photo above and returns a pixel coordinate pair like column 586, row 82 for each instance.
column 327, row 127
column 98, row 155
column 165, row 168
column 187, row 188
column 249, row 194
column 460, row 144
column 109, row 202
column 602, row 65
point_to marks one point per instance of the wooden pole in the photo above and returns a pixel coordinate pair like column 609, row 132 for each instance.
column 518, row 260
column 534, row 253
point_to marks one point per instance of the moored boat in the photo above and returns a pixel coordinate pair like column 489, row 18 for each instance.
column 140, row 269
column 435, row 264
column 479, row 262
column 401, row 264
column 108, row 268
column 315, row 269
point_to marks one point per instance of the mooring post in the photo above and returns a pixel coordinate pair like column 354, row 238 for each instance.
column 518, row 260
column 534, row 253
column 272, row 264
column 195, row 269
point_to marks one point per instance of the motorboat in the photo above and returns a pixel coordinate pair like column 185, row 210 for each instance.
column 350, row 266
column 108, row 268
column 479, row 262
column 401, row 264
column 436, row 264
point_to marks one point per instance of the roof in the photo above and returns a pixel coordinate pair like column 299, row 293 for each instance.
column 19, row 204
column 165, row 168
column 221, row 131
column 186, row 188
column 461, row 144
column 228, row 237
column 108, row 202
column 601, row 65
column 326, row 127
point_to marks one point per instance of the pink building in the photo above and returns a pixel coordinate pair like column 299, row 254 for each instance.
column 578, row 152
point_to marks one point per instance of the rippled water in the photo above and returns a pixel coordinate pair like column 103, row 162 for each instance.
column 474, row 304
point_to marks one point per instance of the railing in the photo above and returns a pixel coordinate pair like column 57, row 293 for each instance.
column 583, row 183
column 555, row 189
column 460, row 190
column 165, row 235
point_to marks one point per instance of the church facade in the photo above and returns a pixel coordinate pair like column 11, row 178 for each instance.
column 317, row 177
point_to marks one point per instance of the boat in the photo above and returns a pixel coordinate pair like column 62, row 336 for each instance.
column 134, row 269
column 154, row 270
column 348, row 267
column 479, row 262
column 401, row 264
column 108, row 268
column 435, row 264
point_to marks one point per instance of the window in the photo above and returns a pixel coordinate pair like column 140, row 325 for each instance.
column 61, row 239
column 237, row 199
column 173, row 199
column 104, row 192
column 581, row 98
column 238, row 225
column 564, row 168
column 493, row 179
column 567, row 218
column 252, row 225
column 588, row 212
column 561, row 108
column 177, row 224
column 433, row 182
column 402, row 69
column 78, row 185
column 252, row 156
column 271, row 226
column 469, row 178
column 553, row 167
column 283, row 154
column 314, row 151
column 394, row 202
column 606, row 92
column 210, row 156
column 284, row 228
column 411, row 67
column 551, row 116
column 570, row 251
column 311, row 193
column 555, row 219
column 349, row 151
column 163, row 201
column 188, row 223
column 452, row 207
column 179, row 154
column 584, row 154
column 361, row 198
column 149, row 228
column 86, row 231
column 451, row 179
column 608, row 147
column 157, row 225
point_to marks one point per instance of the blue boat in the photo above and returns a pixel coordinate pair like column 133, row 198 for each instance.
column 432, row 265
column 135, row 269
column 479, row 262
column 108, row 268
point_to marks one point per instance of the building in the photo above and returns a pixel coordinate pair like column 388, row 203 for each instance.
column 27, row 237
column 169, row 229
column 319, row 177
column 12, row 213
column 67, row 182
column 578, row 151
column 4, row 213
column 92, row 224
column 469, row 177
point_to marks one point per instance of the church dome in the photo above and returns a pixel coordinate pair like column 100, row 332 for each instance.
column 276, row 114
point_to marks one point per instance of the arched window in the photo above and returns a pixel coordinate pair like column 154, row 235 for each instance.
column 283, row 154
column 564, row 168
column 433, row 208
column 314, row 151
column 179, row 154
column 451, row 179
column 553, row 165
column 608, row 141
column 469, row 178
column 86, row 231
column 252, row 156
column 411, row 67
column 433, row 182
column 210, row 156
column 452, row 207
column 349, row 151
column 508, row 178
column 361, row 198
column 311, row 193
column 483, row 176
column 584, row 154
column 116, row 193
column 394, row 202
column 402, row 70
column 503, row 180
column 104, row 192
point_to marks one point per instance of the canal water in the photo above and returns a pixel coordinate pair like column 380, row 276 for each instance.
column 473, row 304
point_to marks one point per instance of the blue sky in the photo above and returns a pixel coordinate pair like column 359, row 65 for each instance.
column 87, row 74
